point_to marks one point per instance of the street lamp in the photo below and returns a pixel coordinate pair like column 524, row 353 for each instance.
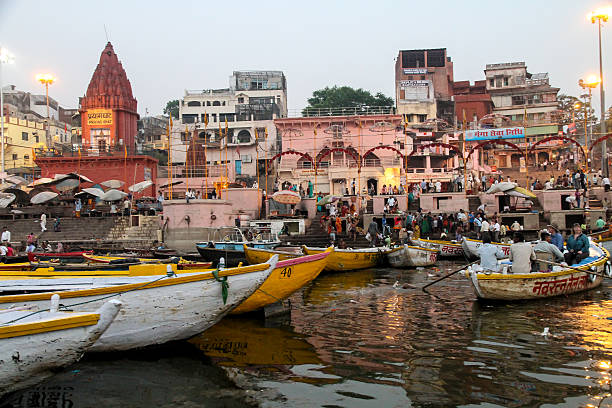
column 591, row 82
column 601, row 16
column 5, row 58
column 46, row 80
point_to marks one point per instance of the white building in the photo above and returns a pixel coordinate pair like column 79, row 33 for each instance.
column 247, row 109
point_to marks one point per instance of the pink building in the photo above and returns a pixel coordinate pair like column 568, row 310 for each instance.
column 369, row 150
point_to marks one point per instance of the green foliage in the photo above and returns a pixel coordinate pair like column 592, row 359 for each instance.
column 346, row 97
column 172, row 108
column 568, row 112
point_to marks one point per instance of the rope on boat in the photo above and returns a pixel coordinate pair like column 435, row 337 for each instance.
column 224, row 284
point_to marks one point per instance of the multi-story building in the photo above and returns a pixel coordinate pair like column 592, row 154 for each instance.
column 152, row 131
column 424, row 85
column 472, row 102
column 27, row 105
column 235, row 124
column 22, row 137
column 373, row 150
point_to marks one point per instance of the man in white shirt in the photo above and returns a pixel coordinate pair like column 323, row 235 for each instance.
column 484, row 229
column 548, row 185
column 332, row 210
column 606, row 184
column 481, row 208
column 438, row 187
column 496, row 229
column 6, row 235
column 391, row 202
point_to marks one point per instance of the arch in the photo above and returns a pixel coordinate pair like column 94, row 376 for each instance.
column 216, row 103
column 194, row 103
column 564, row 138
column 601, row 139
column 326, row 152
column 384, row 147
column 371, row 158
column 244, row 136
column 493, row 142
column 304, row 155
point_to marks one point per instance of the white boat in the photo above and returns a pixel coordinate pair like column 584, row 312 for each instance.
column 408, row 256
column 538, row 285
column 448, row 249
column 470, row 247
column 34, row 345
column 163, row 309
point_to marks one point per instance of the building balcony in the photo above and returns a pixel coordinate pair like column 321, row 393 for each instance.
column 347, row 111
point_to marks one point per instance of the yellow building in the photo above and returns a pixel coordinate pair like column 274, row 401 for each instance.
column 21, row 138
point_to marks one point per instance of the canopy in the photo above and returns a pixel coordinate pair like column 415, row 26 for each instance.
column 41, row 181
column 328, row 199
column 6, row 199
column 286, row 197
column 21, row 196
column 17, row 180
column 67, row 184
column 112, row 183
column 43, row 197
column 511, row 189
column 138, row 187
column 96, row 192
column 113, row 195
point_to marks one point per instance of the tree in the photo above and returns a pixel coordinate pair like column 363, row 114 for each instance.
column 172, row 108
column 569, row 113
column 346, row 97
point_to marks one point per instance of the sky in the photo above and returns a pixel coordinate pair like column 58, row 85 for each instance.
column 167, row 47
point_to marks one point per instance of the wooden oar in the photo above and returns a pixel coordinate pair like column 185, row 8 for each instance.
column 576, row 269
column 448, row 275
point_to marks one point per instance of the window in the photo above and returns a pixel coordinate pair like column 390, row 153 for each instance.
column 244, row 136
column 229, row 116
column 36, row 138
column 413, row 59
column 435, row 58
column 15, row 157
column 207, row 103
column 505, row 81
column 216, row 103
column 422, row 118
column 492, row 83
column 183, row 137
column 26, row 157
column 241, row 100
column 518, row 100
column 189, row 118
column 193, row 103
column 24, row 135
column 498, row 82
column 205, row 117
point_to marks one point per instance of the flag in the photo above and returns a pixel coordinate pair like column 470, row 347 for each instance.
column 79, row 152
column 315, row 130
column 125, row 150
column 205, row 119
column 33, row 154
column 226, row 126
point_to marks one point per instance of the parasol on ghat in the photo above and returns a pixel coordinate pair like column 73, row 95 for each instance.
column 67, row 184
column 328, row 199
column 92, row 191
column 112, row 183
column 6, row 199
column 138, row 187
column 43, row 197
column 286, row 197
column 113, row 195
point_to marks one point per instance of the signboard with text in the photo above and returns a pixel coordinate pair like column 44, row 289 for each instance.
column 415, row 71
column 490, row 134
column 414, row 83
column 99, row 117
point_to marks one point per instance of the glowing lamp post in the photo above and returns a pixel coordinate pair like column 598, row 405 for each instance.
column 591, row 82
column 601, row 16
column 46, row 80
column 5, row 58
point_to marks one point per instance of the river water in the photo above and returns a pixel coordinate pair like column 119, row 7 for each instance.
column 367, row 338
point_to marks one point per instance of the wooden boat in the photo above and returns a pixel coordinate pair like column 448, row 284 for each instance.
column 36, row 345
column 163, row 309
column 470, row 247
column 118, row 260
column 289, row 276
column 259, row 255
column 408, row 255
column 211, row 254
column 76, row 256
column 448, row 249
column 538, row 285
column 350, row 259
column 230, row 247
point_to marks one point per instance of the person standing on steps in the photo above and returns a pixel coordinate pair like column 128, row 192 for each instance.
column 43, row 222
column 6, row 235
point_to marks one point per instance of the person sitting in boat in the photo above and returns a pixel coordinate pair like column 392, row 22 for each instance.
column 521, row 254
column 555, row 236
column 577, row 245
column 547, row 247
column 489, row 254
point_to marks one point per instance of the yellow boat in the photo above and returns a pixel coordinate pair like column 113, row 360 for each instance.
column 259, row 255
column 289, row 276
column 182, row 263
column 341, row 260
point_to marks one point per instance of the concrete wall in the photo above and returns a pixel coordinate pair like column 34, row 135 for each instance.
column 559, row 217
column 436, row 202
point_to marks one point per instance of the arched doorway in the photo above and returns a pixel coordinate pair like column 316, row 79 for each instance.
column 515, row 160
column 244, row 136
column 542, row 157
column 372, row 186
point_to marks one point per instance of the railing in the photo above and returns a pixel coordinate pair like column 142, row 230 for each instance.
column 92, row 151
column 346, row 111
column 194, row 171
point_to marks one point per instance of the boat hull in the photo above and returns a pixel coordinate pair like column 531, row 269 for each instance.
column 166, row 309
column 34, row 350
column 342, row 260
column 411, row 256
column 259, row 255
column 289, row 276
column 231, row 257
column 540, row 285
column 448, row 249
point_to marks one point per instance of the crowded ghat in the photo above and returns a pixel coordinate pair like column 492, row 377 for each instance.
column 446, row 246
